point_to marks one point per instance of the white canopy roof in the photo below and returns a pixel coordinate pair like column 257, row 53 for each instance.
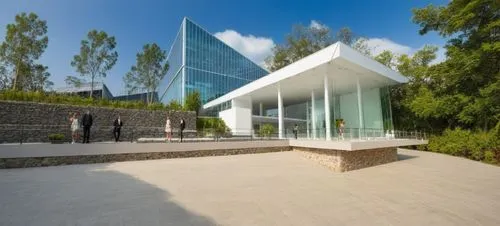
column 342, row 65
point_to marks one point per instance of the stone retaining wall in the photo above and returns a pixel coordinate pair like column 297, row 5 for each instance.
column 342, row 161
column 33, row 122
column 26, row 162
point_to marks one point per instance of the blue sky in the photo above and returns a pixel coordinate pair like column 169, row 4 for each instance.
column 252, row 27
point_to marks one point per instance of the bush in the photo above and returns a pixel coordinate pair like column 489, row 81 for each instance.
column 479, row 146
column 57, row 98
column 56, row 137
column 267, row 130
column 212, row 126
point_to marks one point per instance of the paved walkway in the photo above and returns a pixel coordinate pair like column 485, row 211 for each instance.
column 263, row 189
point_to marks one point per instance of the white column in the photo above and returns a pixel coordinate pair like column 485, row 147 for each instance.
column 261, row 109
column 334, row 107
column 307, row 120
column 360, row 107
column 280, row 113
column 327, row 110
column 313, row 115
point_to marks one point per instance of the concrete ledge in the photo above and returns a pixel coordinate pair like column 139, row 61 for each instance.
column 25, row 162
column 354, row 145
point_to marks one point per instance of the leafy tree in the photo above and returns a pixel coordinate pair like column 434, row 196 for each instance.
column 463, row 89
column 25, row 41
column 74, row 81
column 150, row 69
column 96, row 56
column 303, row 41
column 385, row 58
column 193, row 102
column 39, row 79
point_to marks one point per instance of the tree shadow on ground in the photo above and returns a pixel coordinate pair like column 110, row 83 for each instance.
column 87, row 195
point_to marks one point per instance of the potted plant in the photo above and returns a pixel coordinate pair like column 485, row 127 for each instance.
column 56, row 138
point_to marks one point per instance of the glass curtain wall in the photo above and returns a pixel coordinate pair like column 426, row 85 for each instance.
column 212, row 67
column 170, row 87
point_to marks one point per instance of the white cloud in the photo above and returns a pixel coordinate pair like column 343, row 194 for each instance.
column 317, row 25
column 254, row 48
column 378, row 45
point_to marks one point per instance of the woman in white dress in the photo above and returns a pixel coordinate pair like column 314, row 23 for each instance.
column 168, row 130
column 74, row 127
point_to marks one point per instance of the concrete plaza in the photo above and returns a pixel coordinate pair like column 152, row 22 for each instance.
column 263, row 189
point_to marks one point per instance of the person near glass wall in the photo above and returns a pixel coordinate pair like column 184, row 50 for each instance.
column 168, row 130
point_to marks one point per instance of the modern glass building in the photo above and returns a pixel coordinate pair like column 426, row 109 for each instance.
column 200, row 61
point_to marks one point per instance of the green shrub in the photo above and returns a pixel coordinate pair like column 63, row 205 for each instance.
column 267, row 130
column 212, row 126
column 479, row 145
column 56, row 136
column 56, row 98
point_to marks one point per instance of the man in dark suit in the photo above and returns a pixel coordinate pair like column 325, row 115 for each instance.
column 86, row 124
column 182, row 126
column 118, row 126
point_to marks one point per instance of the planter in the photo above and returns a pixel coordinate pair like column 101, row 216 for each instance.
column 57, row 142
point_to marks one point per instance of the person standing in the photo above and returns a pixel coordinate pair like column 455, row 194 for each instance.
column 86, row 123
column 168, row 130
column 341, row 129
column 182, row 126
column 295, row 131
column 118, row 127
column 74, row 127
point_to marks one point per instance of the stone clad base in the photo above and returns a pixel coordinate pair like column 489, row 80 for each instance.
column 342, row 161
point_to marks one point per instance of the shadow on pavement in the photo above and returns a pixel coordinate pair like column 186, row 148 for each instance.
column 87, row 195
column 405, row 157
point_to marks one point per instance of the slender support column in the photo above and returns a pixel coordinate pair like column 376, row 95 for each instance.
column 360, row 107
column 313, row 115
column 280, row 114
column 327, row 110
column 334, row 102
column 261, row 109
column 307, row 120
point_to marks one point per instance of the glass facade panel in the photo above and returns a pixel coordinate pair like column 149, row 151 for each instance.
column 175, row 71
column 211, row 67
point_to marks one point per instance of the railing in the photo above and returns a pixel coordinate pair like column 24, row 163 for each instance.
column 18, row 133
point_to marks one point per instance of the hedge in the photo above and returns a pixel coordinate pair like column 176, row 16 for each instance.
column 56, row 98
column 475, row 145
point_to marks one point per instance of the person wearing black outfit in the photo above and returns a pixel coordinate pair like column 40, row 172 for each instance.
column 295, row 131
column 182, row 126
column 118, row 126
column 86, row 123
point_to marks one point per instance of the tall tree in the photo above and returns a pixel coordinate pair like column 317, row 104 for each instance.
column 303, row 41
column 74, row 81
column 97, row 56
column 151, row 67
column 465, row 87
column 24, row 43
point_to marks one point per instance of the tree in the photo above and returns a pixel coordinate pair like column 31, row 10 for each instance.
column 74, row 81
column 303, row 41
column 39, row 79
column 266, row 130
column 193, row 102
column 385, row 58
column 96, row 56
column 25, row 41
column 464, row 88
column 150, row 69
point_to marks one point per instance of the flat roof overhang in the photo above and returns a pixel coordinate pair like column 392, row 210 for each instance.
column 340, row 63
